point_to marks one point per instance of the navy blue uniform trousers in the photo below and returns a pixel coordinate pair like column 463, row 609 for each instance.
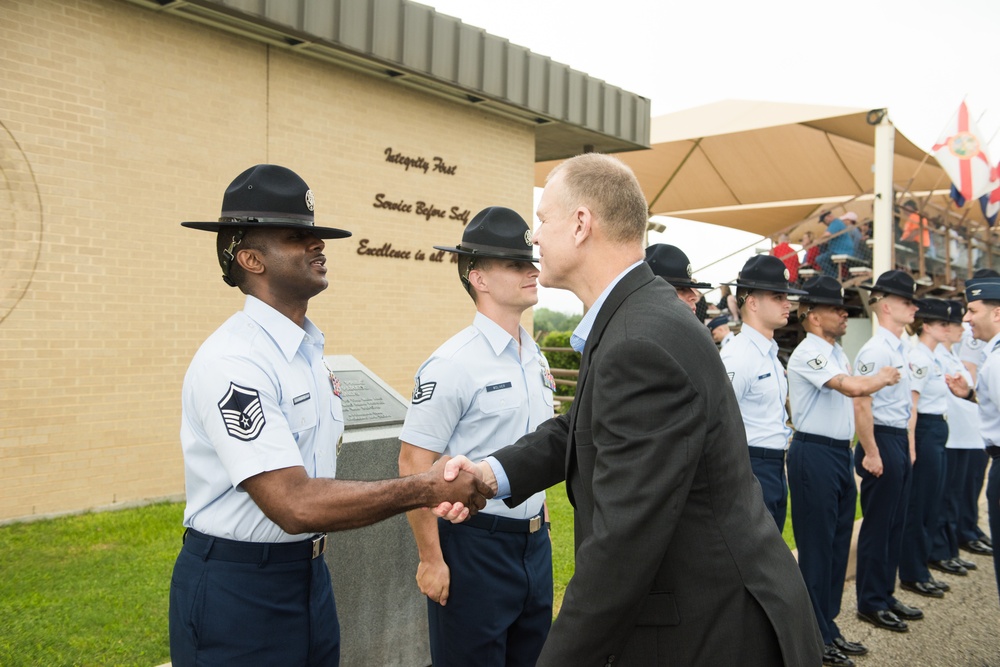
column 768, row 467
column 993, row 503
column 968, row 522
column 883, row 503
column 923, row 508
column 499, row 607
column 234, row 612
column 945, row 541
column 824, row 497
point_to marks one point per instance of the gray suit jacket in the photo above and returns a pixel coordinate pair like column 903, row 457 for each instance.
column 677, row 559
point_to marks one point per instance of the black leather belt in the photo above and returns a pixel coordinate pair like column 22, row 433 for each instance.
column 216, row 548
column 821, row 440
column 929, row 417
column 890, row 429
column 765, row 453
column 993, row 451
column 502, row 524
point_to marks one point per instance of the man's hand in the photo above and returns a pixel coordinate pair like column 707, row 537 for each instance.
column 457, row 512
column 873, row 463
column 457, row 486
column 957, row 384
column 434, row 580
column 889, row 374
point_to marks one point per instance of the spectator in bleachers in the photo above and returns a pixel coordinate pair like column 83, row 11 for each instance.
column 838, row 242
column 811, row 258
column 787, row 254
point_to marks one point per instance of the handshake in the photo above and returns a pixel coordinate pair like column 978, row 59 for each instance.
column 460, row 488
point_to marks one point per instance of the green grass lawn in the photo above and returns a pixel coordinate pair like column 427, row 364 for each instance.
column 90, row 589
column 93, row 589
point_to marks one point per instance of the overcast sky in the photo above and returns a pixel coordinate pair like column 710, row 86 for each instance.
column 917, row 58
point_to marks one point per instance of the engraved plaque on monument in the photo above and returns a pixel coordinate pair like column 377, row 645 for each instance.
column 383, row 616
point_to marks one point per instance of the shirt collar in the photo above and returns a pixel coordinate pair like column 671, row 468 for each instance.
column 760, row 341
column 819, row 340
column 286, row 334
column 992, row 345
column 495, row 334
column 889, row 337
column 579, row 338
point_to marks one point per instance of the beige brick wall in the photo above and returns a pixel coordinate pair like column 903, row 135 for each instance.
column 117, row 123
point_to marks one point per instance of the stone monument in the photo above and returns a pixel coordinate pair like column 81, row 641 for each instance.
column 383, row 615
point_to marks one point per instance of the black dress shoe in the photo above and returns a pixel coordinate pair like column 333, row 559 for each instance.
column 922, row 588
column 849, row 648
column 883, row 618
column 978, row 547
column 832, row 656
column 987, row 540
column 905, row 611
column 967, row 564
column 948, row 567
column 940, row 585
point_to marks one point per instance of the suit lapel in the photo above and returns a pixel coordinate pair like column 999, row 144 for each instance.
column 632, row 281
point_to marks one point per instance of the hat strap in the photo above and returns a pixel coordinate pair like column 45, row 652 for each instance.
column 227, row 256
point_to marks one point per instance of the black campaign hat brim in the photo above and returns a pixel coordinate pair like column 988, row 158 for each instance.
column 889, row 290
column 318, row 232
column 491, row 253
column 681, row 282
column 767, row 287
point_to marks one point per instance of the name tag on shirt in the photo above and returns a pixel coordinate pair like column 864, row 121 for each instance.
column 300, row 399
column 765, row 375
column 498, row 387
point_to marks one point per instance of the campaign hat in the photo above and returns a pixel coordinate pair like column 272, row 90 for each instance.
column 498, row 233
column 267, row 195
column 671, row 263
column 985, row 273
column 899, row 283
column 933, row 308
column 824, row 291
column 765, row 272
column 982, row 289
column 957, row 311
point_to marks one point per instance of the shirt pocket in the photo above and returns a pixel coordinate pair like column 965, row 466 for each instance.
column 501, row 400
column 300, row 412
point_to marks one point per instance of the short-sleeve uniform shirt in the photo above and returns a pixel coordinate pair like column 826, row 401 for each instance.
column 257, row 397
column 818, row 409
column 971, row 349
column 927, row 379
column 476, row 394
column 759, row 383
column 988, row 391
column 891, row 406
column 963, row 415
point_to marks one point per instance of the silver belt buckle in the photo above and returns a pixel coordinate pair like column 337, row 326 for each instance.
column 319, row 545
column 535, row 523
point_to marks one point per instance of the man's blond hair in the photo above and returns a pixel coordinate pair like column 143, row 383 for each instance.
column 606, row 186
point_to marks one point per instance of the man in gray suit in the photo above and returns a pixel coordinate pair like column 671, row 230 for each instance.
column 677, row 560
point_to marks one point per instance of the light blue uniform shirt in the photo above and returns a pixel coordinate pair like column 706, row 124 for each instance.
column 257, row 397
column 927, row 379
column 988, row 392
column 891, row 406
column 760, row 386
column 578, row 341
column 963, row 415
column 475, row 395
column 817, row 409
column 971, row 348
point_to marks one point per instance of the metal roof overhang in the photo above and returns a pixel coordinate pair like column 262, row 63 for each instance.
column 414, row 45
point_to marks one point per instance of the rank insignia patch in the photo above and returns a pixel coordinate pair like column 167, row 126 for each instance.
column 731, row 376
column 817, row 363
column 918, row 371
column 242, row 412
column 422, row 392
column 865, row 369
